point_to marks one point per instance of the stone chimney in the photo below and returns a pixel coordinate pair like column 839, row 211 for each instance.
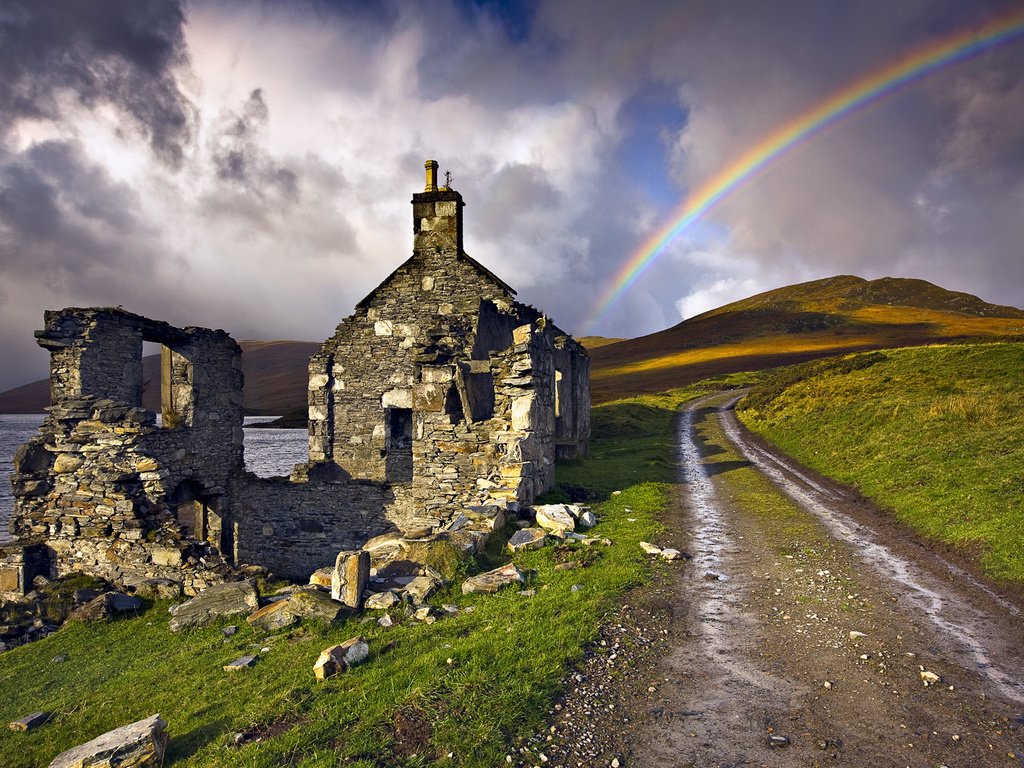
column 437, row 215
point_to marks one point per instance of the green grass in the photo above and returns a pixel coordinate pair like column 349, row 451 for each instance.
column 935, row 434
column 406, row 706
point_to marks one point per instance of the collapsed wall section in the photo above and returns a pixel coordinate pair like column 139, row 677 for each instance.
column 111, row 492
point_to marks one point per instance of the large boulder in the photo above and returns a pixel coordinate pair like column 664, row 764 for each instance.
column 224, row 599
column 271, row 618
column 350, row 576
column 302, row 604
column 138, row 745
column 492, row 581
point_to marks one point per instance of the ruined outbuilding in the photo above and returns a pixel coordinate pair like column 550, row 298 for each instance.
column 441, row 393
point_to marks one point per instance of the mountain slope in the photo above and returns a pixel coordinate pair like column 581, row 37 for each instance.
column 276, row 376
column 786, row 325
column 797, row 323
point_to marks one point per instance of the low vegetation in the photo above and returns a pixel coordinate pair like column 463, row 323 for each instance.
column 457, row 692
column 932, row 433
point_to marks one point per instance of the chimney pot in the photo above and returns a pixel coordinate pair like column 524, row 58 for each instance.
column 431, row 166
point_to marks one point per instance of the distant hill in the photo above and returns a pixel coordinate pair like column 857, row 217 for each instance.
column 796, row 323
column 786, row 325
column 276, row 376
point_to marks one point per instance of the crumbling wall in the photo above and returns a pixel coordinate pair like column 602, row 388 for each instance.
column 112, row 493
column 572, row 398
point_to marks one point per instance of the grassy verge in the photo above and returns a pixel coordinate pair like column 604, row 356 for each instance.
column 933, row 433
column 454, row 693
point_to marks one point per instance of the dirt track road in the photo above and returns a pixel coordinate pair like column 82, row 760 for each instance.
column 798, row 633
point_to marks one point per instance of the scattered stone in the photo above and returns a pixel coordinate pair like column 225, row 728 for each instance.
column 421, row 588
column 419, row 533
column 381, row 601
column 778, row 741
column 488, row 518
column 160, row 589
column 350, row 576
column 271, row 618
column 576, row 588
column 243, row 662
column 339, row 658
column 138, row 745
column 554, row 518
column 105, row 606
column 28, row 722
column 424, row 614
column 527, row 538
column 929, row 678
column 225, row 599
column 60, row 659
column 449, row 608
column 305, row 603
column 386, row 621
column 670, row 554
column 587, row 519
column 650, row 549
column 855, row 635
column 528, row 592
column 491, row 581
column 316, row 605
column 618, row 493
column 321, row 577
column 829, row 685
column 229, row 631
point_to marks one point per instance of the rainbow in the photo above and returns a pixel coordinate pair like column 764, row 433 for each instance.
column 851, row 99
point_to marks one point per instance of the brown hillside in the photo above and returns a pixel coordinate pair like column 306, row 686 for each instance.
column 276, row 375
column 793, row 324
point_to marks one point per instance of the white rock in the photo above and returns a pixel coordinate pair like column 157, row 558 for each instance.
column 650, row 549
column 670, row 554
column 381, row 601
column 554, row 517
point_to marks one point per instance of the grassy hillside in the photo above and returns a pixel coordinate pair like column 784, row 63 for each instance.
column 936, row 434
column 407, row 705
column 794, row 324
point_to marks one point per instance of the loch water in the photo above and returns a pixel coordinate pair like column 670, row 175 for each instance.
column 269, row 452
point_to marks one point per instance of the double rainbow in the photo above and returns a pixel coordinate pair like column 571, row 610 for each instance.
column 846, row 102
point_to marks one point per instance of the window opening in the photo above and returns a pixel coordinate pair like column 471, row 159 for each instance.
column 399, row 444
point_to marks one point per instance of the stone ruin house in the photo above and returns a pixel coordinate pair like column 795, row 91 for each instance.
column 441, row 394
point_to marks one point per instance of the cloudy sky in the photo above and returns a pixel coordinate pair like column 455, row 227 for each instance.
column 249, row 166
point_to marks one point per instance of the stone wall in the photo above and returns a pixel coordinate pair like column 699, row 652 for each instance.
column 19, row 565
column 295, row 527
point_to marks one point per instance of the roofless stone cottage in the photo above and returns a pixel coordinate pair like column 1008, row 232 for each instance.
column 440, row 394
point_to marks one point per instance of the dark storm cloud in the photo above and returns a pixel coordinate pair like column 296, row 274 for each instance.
column 118, row 52
column 69, row 234
column 64, row 219
column 253, row 178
